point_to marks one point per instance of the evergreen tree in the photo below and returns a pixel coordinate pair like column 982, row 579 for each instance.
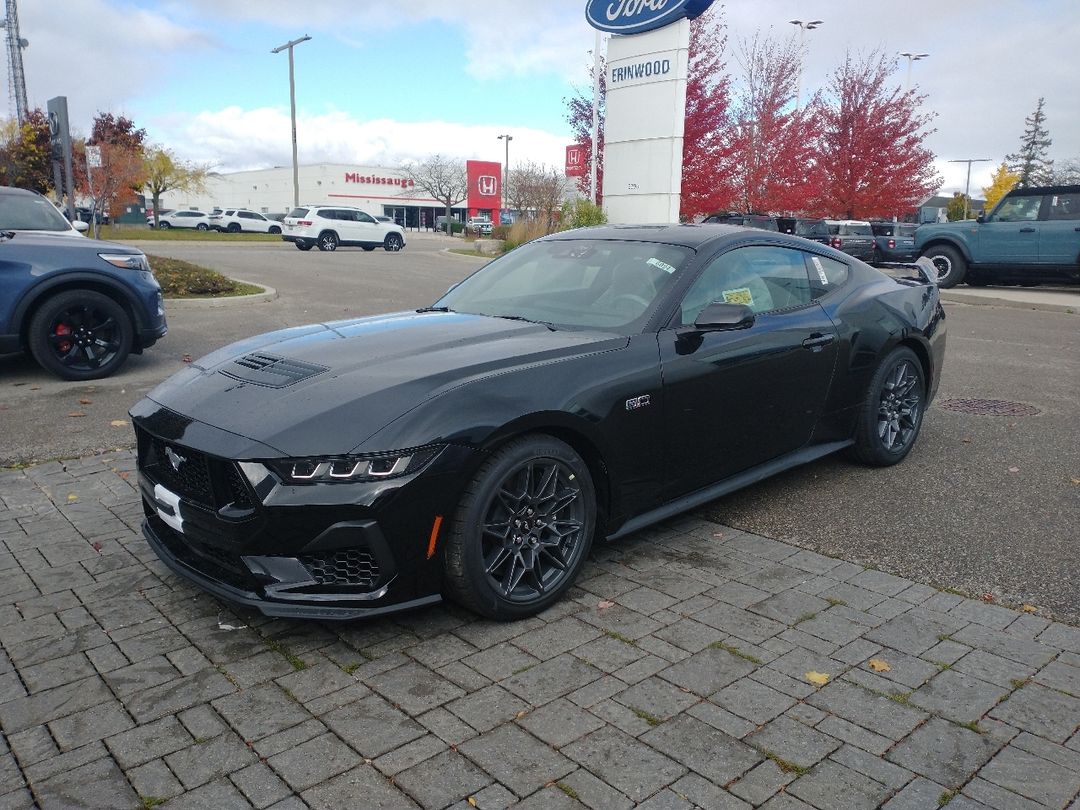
column 1031, row 164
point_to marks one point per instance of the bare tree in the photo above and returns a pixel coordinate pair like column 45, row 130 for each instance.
column 444, row 179
column 550, row 189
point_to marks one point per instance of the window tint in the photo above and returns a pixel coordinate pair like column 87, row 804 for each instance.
column 857, row 229
column 908, row 230
column 19, row 212
column 762, row 278
column 1064, row 206
column 298, row 213
column 362, row 217
column 826, row 274
column 882, row 229
column 230, row 212
column 810, row 227
column 1018, row 209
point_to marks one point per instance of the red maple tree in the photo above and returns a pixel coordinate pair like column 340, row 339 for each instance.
column 872, row 157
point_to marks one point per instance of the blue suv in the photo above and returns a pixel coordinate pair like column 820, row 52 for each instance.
column 78, row 305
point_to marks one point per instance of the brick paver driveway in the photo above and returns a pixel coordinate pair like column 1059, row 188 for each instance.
column 693, row 666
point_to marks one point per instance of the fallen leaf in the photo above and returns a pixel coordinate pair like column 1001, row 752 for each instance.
column 1014, row 469
column 878, row 665
column 186, row 358
column 521, row 714
column 73, row 497
column 118, row 423
column 96, row 545
column 35, row 387
column 76, row 414
column 718, row 534
column 86, row 402
column 125, row 475
column 966, row 440
column 472, row 802
column 819, row 678
column 604, row 604
column 1076, row 481
column 1030, row 609
column 988, row 597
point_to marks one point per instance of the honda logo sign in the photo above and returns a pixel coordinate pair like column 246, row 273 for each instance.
column 575, row 160
column 487, row 185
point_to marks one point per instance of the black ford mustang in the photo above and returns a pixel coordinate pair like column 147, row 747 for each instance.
column 584, row 385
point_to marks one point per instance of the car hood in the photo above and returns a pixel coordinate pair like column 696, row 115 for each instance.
column 323, row 389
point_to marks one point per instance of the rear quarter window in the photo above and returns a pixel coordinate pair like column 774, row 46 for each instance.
column 826, row 274
column 298, row 213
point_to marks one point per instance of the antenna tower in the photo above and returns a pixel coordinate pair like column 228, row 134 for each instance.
column 16, row 74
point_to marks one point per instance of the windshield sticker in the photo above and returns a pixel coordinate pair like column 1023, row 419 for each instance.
column 820, row 270
column 740, row 295
column 667, row 268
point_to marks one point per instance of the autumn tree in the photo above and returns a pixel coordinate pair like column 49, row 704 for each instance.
column 118, row 131
column 1030, row 163
column 25, row 159
column 1001, row 182
column 165, row 172
column 113, row 184
column 444, row 179
column 579, row 116
column 957, row 207
column 872, row 159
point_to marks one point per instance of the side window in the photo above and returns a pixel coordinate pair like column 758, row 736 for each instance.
column 247, row 215
column 763, row 278
column 1018, row 209
column 362, row 217
column 825, row 274
column 1064, row 206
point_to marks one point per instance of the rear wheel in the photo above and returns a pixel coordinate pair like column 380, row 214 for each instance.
column 977, row 279
column 275, row 229
column 950, row 264
column 393, row 242
column 328, row 240
column 202, row 226
column 891, row 416
column 234, row 227
column 368, row 248
column 522, row 530
column 304, row 245
column 80, row 335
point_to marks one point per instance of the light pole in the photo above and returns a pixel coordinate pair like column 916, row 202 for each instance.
column 912, row 57
column 506, row 170
column 292, row 105
column 967, row 185
column 803, row 28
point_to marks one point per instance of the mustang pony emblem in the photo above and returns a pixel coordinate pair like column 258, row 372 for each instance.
column 175, row 459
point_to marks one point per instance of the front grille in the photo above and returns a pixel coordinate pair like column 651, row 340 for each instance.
column 208, row 560
column 238, row 489
column 343, row 567
column 196, row 477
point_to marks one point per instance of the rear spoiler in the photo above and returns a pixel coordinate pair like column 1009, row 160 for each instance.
column 925, row 271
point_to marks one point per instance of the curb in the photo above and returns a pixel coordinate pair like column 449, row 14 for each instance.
column 267, row 294
column 1070, row 307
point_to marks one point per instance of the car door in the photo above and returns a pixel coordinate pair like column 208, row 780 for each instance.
column 369, row 230
column 1011, row 234
column 736, row 399
column 1059, row 231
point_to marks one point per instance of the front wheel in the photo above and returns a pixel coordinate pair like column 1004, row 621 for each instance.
column 891, row 416
column 80, row 335
column 275, row 229
column 393, row 242
column 304, row 245
column 234, row 227
column 523, row 529
column 202, row 226
column 950, row 265
column 328, row 241
column 164, row 226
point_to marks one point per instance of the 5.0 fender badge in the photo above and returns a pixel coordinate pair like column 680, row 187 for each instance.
column 634, row 403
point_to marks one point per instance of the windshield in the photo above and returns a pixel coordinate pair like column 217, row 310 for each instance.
column 22, row 213
column 858, row 229
column 812, row 227
column 574, row 283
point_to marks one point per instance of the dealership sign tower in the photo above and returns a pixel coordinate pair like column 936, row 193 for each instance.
column 647, row 66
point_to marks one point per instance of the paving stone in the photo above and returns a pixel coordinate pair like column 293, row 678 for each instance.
column 880, row 582
column 856, row 651
column 610, row 654
column 487, row 708
column 740, row 623
column 704, row 793
column 177, row 695
column 206, row 761
column 600, row 689
column 220, row 795
column 141, row 675
column 690, row 635
column 797, row 638
column 556, row 638
column 1041, row 711
column 918, row 795
column 990, row 795
column 1033, row 777
column 958, row 696
column 372, row 726
column 441, row 650
column 1060, row 676
column 154, row 779
column 51, row 704
column 98, row 784
column 259, row 668
column 808, row 715
column 32, row 745
column 789, row 607
column 107, row 658
column 410, row 754
column 335, row 700
column 500, row 661
column 516, row 759
column 793, row 742
column 626, row 764
column 754, row 701
column 620, row 620
column 762, row 782
column 594, row 793
column 641, row 669
column 260, row 785
column 551, row 679
column 657, row 698
column 260, row 711
column 1065, row 757
column 1027, row 626
column 916, row 631
column 202, row 722
column 313, row 762
column 493, row 797
column 446, row 726
column 56, row 672
column 560, row 722
column 708, row 671
column 442, row 780
column 89, row 725
column 1062, row 636
column 551, row 798
column 944, row 752
column 737, row 594
column 783, row 683
column 873, row 712
column 799, row 661
column 830, row 785
column 288, row 739
column 855, row 735
column 993, row 668
column 905, row 670
column 1027, row 652
column 946, row 652
column 888, row 774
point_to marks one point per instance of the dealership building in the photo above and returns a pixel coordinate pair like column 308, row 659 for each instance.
column 378, row 190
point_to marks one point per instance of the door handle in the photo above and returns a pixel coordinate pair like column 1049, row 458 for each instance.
column 817, row 341
column 1027, row 230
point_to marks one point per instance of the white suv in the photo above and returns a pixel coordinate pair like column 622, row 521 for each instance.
column 331, row 225
column 235, row 220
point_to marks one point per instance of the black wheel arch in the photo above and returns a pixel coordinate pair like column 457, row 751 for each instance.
column 35, row 297
column 942, row 241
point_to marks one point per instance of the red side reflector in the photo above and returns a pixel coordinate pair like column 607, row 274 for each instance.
column 434, row 536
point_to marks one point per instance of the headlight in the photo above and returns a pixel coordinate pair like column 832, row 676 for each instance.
column 349, row 469
column 127, row 261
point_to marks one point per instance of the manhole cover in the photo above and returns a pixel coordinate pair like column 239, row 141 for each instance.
column 989, row 407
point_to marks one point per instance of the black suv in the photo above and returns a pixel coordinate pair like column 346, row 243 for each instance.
column 78, row 305
column 761, row 221
column 894, row 241
column 852, row 236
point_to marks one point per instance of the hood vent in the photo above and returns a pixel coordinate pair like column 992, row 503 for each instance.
column 271, row 371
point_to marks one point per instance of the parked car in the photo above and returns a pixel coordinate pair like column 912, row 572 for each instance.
column 894, row 241
column 331, row 226
column 456, row 225
column 150, row 215
column 78, row 306
column 199, row 220
column 759, row 221
column 88, row 216
column 480, row 226
column 235, row 220
column 1032, row 235
column 276, row 216
column 566, row 392
column 852, row 236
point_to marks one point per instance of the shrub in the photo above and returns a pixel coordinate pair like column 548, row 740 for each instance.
column 500, row 232
column 580, row 214
column 522, row 231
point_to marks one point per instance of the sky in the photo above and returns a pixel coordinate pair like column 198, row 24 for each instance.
column 382, row 82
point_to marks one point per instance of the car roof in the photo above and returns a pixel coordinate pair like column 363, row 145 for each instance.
column 18, row 192
column 1023, row 192
column 691, row 235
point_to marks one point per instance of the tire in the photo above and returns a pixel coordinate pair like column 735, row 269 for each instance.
column 275, row 229
column 977, row 279
column 234, row 227
column 304, row 245
column 519, row 575
column 877, row 258
column 328, row 240
column 202, row 226
column 80, row 335
column 368, row 248
column 890, row 418
column 164, row 226
column 950, row 264
column 393, row 242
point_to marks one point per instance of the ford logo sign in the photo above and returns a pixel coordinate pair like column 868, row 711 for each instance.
column 637, row 16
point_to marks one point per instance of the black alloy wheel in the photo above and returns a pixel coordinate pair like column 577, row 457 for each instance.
column 328, row 240
column 80, row 335
column 523, row 529
column 950, row 265
column 892, row 414
column 275, row 229
column 234, row 227
column 163, row 225
column 393, row 242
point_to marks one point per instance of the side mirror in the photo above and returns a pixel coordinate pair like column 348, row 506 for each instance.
column 719, row 317
column 80, row 226
column 981, row 218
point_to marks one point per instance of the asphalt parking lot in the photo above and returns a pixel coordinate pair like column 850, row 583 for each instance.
column 985, row 504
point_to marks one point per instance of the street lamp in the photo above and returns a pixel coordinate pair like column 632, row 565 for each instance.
column 803, row 28
column 292, row 104
column 967, row 185
column 912, row 57
column 506, row 169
